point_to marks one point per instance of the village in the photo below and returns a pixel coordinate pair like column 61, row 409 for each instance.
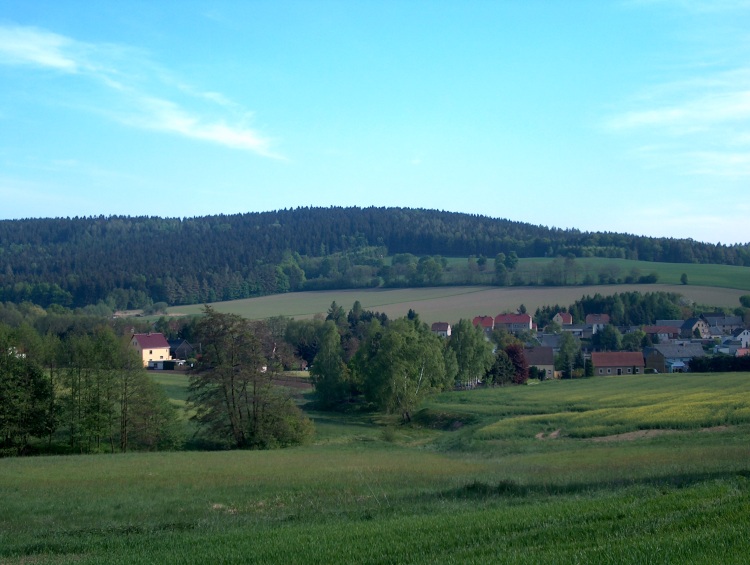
column 664, row 347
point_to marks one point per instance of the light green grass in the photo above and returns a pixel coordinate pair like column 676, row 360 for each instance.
column 724, row 276
column 425, row 495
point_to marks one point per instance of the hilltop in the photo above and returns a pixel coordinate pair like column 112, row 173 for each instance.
column 131, row 262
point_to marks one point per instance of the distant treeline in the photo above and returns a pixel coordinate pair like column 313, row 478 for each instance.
column 134, row 262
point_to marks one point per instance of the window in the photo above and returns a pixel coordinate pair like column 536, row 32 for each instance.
column 630, row 371
column 150, row 351
column 609, row 371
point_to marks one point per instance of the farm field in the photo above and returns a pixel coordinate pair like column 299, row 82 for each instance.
column 448, row 304
column 725, row 276
column 604, row 470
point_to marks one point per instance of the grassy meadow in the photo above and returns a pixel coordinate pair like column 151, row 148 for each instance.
column 715, row 285
column 446, row 303
column 645, row 469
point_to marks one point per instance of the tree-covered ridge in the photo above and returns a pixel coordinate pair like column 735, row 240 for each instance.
column 131, row 262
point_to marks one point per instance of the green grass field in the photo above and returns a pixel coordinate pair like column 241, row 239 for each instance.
column 448, row 304
column 713, row 285
column 605, row 470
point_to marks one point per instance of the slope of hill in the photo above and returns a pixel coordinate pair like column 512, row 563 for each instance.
column 130, row 262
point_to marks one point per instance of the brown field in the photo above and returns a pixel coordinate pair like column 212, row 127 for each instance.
column 447, row 303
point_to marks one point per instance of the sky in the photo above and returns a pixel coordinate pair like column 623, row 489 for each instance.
column 623, row 116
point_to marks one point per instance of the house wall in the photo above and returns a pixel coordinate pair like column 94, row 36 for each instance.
column 609, row 371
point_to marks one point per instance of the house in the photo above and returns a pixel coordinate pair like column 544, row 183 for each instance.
column 181, row 349
column 550, row 340
column 724, row 324
column 617, row 362
column 743, row 336
column 673, row 323
column 563, row 319
column 151, row 347
column 514, row 322
column 543, row 358
column 443, row 329
column 672, row 357
column 695, row 327
column 487, row 323
column 659, row 334
column 597, row 322
column 577, row 330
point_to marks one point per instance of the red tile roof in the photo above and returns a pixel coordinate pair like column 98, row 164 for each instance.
column 151, row 341
column 617, row 359
column 513, row 319
column 597, row 319
column 484, row 321
column 566, row 317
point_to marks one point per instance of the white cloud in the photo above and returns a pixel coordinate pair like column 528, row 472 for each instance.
column 203, row 115
column 31, row 46
column 697, row 126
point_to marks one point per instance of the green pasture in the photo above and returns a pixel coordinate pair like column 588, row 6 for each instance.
column 559, row 472
column 446, row 303
column 725, row 276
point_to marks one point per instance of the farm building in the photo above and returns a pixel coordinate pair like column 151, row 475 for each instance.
column 617, row 363
column 543, row 358
column 151, row 347
column 442, row 329
column 672, row 357
column 513, row 322
column 563, row 319
column 487, row 323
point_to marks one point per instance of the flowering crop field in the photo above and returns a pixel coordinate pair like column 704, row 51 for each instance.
column 651, row 469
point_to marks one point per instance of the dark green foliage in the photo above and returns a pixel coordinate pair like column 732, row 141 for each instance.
column 745, row 300
column 400, row 365
column 502, row 370
column 231, row 389
column 570, row 349
column 720, row 364
column 108, row 260
column 473, row 352
column 329, row 372
column 630, row 308
column 26, row 399
column 608, row 339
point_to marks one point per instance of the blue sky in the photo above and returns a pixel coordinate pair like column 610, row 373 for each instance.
column 628, row 116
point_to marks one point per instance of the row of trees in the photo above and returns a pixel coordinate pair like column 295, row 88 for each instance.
column 392, row 365
column 83, row 393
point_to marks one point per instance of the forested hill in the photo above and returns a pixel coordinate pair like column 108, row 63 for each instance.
column 129, row 262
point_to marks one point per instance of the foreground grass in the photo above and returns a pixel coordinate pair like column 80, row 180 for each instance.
column 421, row 494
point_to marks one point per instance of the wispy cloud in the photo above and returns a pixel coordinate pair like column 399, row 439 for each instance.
column 134, row 99
column 701, row 125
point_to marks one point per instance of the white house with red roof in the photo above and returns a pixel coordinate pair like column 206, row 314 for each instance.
column 152, row 347
column 514, row 322
column 563, row 319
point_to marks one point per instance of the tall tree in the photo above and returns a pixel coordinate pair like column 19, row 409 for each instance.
column 502, row 370
column 25, row 395
column 231, row 389
column 473, row 352
column 520, row 365
column 330, row 374
column 400, row 365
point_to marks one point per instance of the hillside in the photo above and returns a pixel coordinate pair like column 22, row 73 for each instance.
column 132, row 262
